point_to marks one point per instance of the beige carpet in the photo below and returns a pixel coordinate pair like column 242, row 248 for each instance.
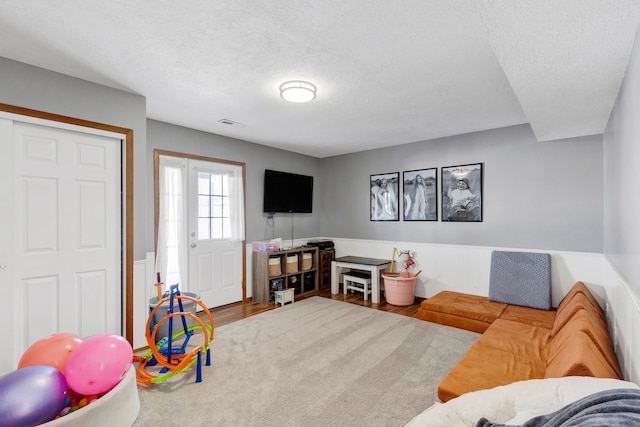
column 315, row 362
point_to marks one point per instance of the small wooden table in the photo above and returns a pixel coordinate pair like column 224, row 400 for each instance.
column 375, row 265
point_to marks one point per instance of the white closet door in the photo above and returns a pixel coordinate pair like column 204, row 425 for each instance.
column 62, row 255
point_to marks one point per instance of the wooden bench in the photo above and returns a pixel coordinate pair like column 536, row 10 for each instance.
column 359, row 281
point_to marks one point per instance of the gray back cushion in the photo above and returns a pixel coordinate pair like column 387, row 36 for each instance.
column 521, row 278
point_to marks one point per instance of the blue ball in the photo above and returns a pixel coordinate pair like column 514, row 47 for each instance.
column 32, row 396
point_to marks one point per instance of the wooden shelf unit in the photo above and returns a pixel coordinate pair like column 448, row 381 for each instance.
column 303, row 281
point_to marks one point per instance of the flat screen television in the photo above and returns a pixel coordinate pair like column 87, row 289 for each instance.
column 287, row 192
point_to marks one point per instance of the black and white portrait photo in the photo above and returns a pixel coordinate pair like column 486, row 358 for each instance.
column 462, row 193
column 419, row 195
column 383, row 189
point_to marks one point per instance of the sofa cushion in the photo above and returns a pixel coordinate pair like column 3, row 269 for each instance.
column 460, row 308
column 529, row 316
column 577, row 355
column 521, row 278
column 595, row 329
column 580, row 288
column 526, row 343
column 484, row 367
column 517, row 338
column 579, row 301
column 455, row 321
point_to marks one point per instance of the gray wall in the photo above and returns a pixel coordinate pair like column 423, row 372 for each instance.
column 622, row 180
column 537, row 195
column 30, row 87
column 257, row 158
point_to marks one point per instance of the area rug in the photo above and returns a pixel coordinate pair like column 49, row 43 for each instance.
column 316, row 362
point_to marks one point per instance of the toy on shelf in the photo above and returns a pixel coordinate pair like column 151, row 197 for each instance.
column 171, row 352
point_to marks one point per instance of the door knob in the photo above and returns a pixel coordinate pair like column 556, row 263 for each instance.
column 193, row 245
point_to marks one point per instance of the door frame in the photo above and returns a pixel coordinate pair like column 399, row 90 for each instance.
column 156, row 198
column 127, row 198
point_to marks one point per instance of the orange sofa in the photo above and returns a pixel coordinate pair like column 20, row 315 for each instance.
column 521, row 343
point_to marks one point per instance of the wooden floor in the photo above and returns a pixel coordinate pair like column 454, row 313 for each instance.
column 240, row 310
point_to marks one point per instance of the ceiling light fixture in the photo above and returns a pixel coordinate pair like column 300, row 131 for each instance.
column 297, row 91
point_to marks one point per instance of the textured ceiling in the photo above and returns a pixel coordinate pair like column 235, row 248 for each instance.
column 387, row 72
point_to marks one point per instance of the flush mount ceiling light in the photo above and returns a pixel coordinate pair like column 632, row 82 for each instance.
column 297, row 91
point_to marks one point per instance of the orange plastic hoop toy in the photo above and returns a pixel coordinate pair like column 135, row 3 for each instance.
column 174, row 363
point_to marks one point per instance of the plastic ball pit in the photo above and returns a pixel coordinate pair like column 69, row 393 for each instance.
column 119, row 407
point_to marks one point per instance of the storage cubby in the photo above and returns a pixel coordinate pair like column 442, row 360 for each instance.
column 276, row 284
column 308, row 281
column 295, row 268
column 295, row 281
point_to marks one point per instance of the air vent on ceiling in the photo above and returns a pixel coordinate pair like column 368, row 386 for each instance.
column 230, row 123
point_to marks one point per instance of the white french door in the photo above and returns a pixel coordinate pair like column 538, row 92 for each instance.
column 61, row 226
column 201, row 229
column 215, row 254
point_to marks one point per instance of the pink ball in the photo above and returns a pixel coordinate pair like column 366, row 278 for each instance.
column 51, row 351
column 98, row 364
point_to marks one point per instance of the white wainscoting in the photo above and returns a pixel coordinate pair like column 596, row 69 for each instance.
column 623, row 316
column 466, row 269
column 249, row 270
column 143, row 280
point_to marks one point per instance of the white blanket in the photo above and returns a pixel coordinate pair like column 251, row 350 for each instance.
column 514, row 403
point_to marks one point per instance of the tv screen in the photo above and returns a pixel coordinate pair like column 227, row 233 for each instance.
column 287, row 192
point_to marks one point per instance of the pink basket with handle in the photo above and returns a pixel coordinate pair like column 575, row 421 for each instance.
column 399, row 288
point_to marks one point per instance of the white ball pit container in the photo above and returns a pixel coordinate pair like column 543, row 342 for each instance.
column 119, row 407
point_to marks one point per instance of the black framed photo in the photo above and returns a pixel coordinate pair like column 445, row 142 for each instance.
column 383, row 190
column 462, row 193
column 419, row 195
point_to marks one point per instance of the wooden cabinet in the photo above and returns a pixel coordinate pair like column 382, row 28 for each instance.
column 295, row 268
column 324, row 267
